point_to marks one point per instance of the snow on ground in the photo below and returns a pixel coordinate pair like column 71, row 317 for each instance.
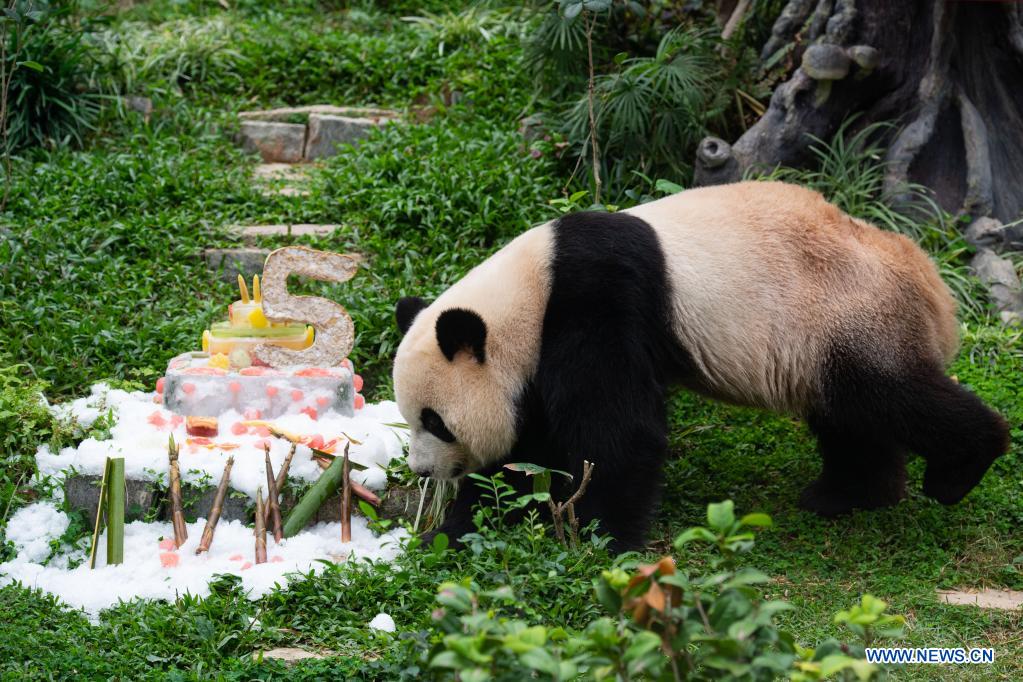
column 150, row 571
column 142, row 428
column 153, row 568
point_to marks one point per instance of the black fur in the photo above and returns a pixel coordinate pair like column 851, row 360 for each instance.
column 871, row 416
column 607, row 357
column 406, row 310
column 464, row 330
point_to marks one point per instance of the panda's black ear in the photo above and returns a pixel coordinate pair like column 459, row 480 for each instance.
column 406, row 310
column 460, row 329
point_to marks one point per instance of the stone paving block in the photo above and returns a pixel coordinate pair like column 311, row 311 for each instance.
column 328, row 132
column 275, row 142
column 251, row 233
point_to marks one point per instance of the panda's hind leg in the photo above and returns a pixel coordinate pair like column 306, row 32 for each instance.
column 861, row 470
column 951, row 428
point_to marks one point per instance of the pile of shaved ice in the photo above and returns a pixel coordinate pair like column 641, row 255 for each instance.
column 153, row 568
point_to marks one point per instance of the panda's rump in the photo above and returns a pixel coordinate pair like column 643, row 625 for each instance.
column 768, row 277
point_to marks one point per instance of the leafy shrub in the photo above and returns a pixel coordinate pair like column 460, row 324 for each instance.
column 48, row 62
column 662, row 624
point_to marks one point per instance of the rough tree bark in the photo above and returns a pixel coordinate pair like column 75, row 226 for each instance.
column 950, row 76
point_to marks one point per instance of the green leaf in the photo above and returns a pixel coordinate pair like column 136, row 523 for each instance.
column 757, row 520
column 573, row 9
column 35, row 66
column 440, row 543
column 693, row 534
column 721, row 515
column 540, row 659
column 667, row 186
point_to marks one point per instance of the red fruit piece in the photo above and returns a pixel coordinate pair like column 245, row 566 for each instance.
column 311, row 411
column 246, row 566
column 253, row 413
column 237, row 557
column 297, row 395
column 239, row 429
column 313, row 372
column 360, row 402
column 176, row 420
column 234, row 387
column 346, row 363
column 167, row 544
column 316, row 441
column 357, row 382
column 276, row 559
column 252, row 371
column 263, row 431
column 159, row 385
column 169, row 559
column 271, row 391
column 323, row 401
column 158, row 399
column 156, row 419
column 188, row 388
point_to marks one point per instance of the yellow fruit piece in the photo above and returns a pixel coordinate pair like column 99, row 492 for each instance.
column 206, row 341
column 258, row 319
column 220, row 360
column 309, row 333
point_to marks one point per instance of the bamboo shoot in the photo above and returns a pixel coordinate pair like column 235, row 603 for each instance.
column 271, row 498
column 100, row 508
column 260, row 529
column 115, row 512
column 216, row 509
column 346, row 501
column 310, row 503
column 177, row 513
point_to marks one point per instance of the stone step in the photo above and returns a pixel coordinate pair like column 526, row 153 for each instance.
column 294, row 134
column 250, row 234
column 282, row 179
column 229, row 263
column 989, row 598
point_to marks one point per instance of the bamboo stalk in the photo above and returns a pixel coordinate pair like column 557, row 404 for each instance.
column 100, row 508
column 307, row 507
column 115, row 512
column 216, row 509
column 282, row 478
column 273, row 504
column 260, row 529
column 346, row 501
column 177, row 514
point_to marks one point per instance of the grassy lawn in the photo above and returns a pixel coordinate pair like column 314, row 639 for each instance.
column 101, row 277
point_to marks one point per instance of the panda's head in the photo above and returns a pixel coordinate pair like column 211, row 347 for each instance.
column 451, row 390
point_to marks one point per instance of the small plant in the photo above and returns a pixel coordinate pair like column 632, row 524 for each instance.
column 661, row 624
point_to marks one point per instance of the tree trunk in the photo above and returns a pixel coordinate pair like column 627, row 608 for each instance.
column 948, row 74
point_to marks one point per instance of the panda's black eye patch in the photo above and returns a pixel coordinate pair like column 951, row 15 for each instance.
column 435, row 425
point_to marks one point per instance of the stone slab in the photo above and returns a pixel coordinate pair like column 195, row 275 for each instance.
column 275, row 142
column 82, row 493
column 251, row 233
column 229, row 263
column 287, row 655
column 328, row 132
column 1004, row 600
column 285, row 114
column 286, row 172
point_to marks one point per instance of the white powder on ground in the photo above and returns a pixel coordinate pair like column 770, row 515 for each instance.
column 382, row 622
column 150, row 571
column 153, row 571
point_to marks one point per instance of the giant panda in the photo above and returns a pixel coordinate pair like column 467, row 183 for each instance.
column 562, row 346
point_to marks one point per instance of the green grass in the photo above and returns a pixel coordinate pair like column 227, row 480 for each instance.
column 101, row 277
